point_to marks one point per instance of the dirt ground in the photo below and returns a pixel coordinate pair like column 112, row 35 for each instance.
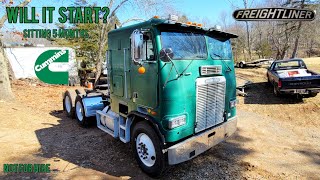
column 277, row 138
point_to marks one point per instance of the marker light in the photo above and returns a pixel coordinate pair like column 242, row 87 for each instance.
column 189, row 23
column 156, row 17
column 173, row 17
column 141, row 70
column 199, row 25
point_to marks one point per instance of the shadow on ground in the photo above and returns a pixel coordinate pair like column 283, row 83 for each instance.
column 262, row 93
column 249, row 67
column 313, row 155
column 94, row 149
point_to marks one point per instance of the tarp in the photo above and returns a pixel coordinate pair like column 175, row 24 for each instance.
column 22, row 59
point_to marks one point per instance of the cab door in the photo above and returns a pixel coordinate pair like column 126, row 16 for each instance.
column 145, row 84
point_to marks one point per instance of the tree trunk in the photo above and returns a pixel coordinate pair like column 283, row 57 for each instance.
column 99, row 63
column 248, row 40
column 283, row 54
column 245, row 2
column 296, row 43
column 5, row 87
column 102, row 43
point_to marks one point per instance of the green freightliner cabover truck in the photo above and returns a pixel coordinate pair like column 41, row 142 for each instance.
column 171, row 91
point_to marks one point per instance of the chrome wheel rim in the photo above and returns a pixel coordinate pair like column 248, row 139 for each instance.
column 67, row 104
column 146, row 150
column 79, row 111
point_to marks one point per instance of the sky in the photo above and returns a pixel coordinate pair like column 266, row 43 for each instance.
column 210, row 9
column 195, row 10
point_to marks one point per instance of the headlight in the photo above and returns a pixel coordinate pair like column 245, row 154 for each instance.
column 233, row 103
column 177, row 121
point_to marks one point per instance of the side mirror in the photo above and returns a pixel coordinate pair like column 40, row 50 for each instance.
column 166, row 54
column 136, row 46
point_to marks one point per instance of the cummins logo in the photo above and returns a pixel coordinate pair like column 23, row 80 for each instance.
column 261, row 14
column 47, row 60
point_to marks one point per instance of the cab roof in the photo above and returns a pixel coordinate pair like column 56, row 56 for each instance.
column 164, row 24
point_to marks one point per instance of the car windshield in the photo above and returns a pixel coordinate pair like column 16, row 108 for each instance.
column 219, row 49
column 289, row 65
column 185, row 45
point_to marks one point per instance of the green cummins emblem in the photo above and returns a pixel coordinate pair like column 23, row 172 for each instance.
column 43, row 72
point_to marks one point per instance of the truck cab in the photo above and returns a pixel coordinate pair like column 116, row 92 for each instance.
column 172, row 91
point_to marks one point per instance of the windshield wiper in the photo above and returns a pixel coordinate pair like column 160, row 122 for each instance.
column 216, row 55
column 223, row 60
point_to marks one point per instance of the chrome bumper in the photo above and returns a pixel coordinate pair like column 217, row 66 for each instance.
column 198, row 144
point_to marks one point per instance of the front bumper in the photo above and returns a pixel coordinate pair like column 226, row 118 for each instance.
column 199, row 143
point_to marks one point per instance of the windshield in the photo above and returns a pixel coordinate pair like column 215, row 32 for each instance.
column 219, row 49
column 185, row 45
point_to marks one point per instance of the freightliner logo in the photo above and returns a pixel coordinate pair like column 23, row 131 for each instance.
column 261, row 14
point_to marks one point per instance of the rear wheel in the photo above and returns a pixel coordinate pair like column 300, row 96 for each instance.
column 276, row 91
column 241, row 65
column 147, row 149
column 68, row 105
column 80, row 112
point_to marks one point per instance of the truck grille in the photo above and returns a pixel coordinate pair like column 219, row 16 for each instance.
column 210, row 70
column 210, row 102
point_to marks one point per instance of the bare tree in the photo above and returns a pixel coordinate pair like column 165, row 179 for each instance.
column 223, row 19
column 276, row 38
column 245, row 3
column 5, row 87
column 296, row 43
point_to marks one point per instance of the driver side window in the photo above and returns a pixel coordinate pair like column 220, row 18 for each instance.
column 148, row 49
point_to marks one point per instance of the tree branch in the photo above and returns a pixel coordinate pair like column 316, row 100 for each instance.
column 115, row 9
column 4, row 17
column 132, row 19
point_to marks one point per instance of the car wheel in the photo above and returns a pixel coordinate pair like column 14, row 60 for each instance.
column 275, row 91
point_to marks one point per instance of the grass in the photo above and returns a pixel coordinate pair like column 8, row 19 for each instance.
column 313, row 63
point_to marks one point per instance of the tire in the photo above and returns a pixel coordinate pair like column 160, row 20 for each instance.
column 269, row 82
column 79, row 113
column 147, row 149
column 275, row 91
column 241, row 65
column 68, row 103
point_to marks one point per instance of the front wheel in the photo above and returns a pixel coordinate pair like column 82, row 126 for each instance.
column 147, row 149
